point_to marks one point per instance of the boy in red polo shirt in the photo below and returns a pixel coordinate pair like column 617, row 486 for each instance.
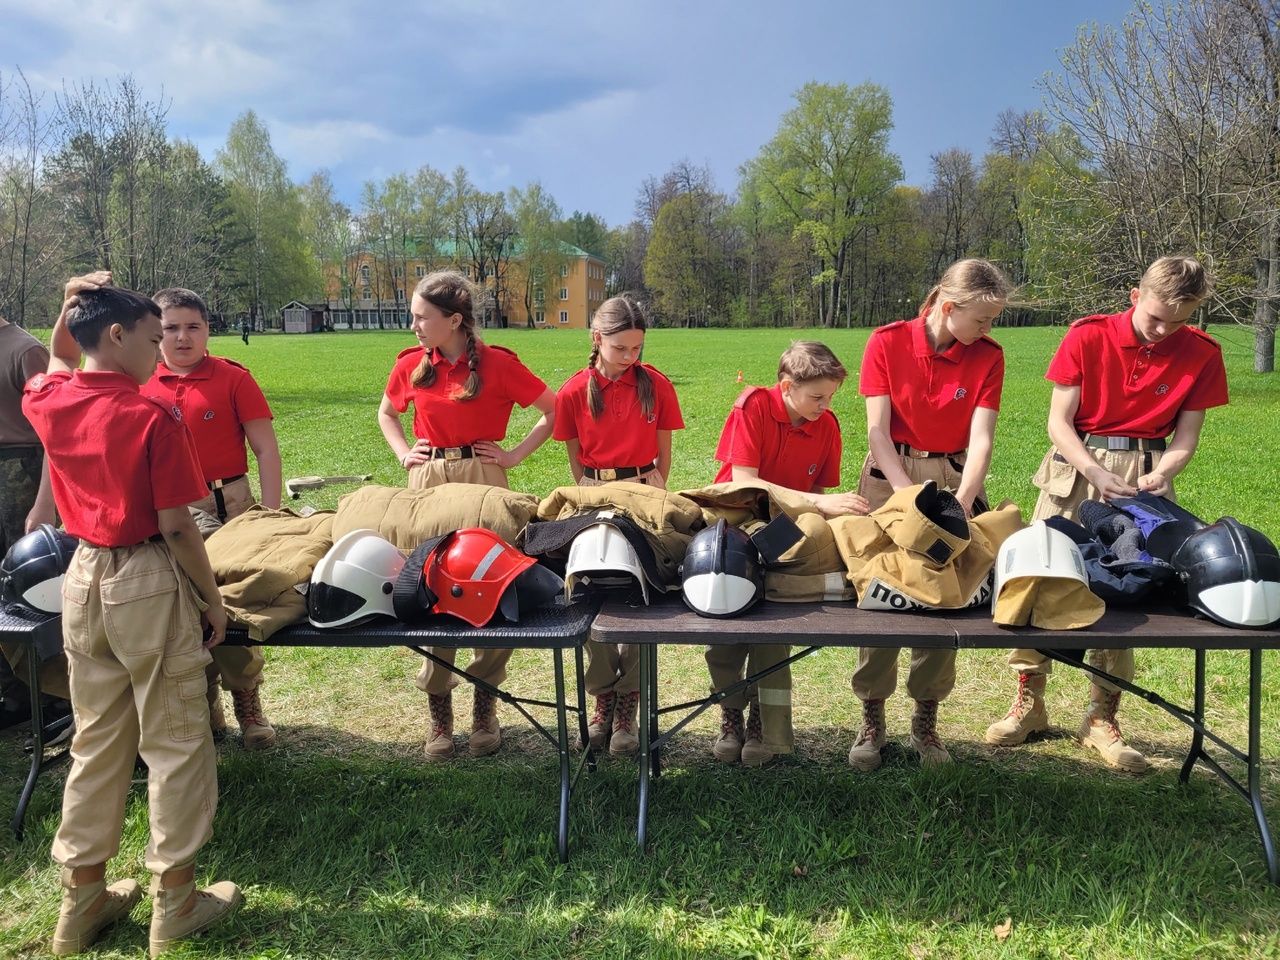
column 784, row 434
column 123, row 470
column 223, row 406
column 616, row 419
column 1122, row 384
column 933, row 390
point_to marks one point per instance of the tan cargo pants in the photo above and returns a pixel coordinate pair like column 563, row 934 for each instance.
column 488, row 665
column 131, row 628
column 1062, row 488
column 931, row 673
column 240, row 668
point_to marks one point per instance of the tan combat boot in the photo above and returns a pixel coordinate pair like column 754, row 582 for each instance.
column 486, row 732
column 89, row 906
column 179, row 910
column 624, row 741
column 601, row 721
column 1101, row 731
column 864, row 755
column 257, row 734
column 1027, row 715
column 754, row 753
column 924, row 734
column 217, row 718
column 440, row 735
column 728, row 746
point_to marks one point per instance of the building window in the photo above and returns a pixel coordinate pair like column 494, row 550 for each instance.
column 364, row 294
column 564, row 293
column 399, row 295
column 364, row 272
column 564, row 269
column 539, row 316
column 539, row 297
column 421, row 271
column 399, row 273
column 564, row 316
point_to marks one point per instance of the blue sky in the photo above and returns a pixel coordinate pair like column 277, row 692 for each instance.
column 587, row 97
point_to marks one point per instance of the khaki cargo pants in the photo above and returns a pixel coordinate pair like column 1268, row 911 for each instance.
column 239, row 667
column 1062, row 488
column 131, row 628
column 931, row 673
column 488, row 665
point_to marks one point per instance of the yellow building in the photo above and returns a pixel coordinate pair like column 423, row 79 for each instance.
column 370, row 292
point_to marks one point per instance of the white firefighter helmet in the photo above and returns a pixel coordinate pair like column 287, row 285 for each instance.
column 600, row 554
column 1038, row 551
column 354, row 580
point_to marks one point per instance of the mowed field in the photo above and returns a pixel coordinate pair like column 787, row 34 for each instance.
column 349, row 845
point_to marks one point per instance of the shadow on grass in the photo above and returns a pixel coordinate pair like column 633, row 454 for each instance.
column 370, row 853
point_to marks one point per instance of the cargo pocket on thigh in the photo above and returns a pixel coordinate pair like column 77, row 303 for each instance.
column 75, row 612
column 140, row 603
column 1056, row 476
column 186, row 705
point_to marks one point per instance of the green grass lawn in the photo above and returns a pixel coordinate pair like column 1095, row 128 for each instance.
column 348, row 845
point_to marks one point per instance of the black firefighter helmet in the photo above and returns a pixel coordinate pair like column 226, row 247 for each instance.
column 31, row 572
column 1231, row 573
column 722, row 575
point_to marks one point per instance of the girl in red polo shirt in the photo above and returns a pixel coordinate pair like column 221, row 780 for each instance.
column 462, row 391
column 616, row 418
column 933, row 389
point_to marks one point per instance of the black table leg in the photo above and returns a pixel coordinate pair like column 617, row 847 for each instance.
column 584, row 737
column 1255, row 763
column 648, row 727
column 1197, row 736
column 37, row 735
column 562, row 728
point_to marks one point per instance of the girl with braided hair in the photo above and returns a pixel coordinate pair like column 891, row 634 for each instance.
column 616, row 418
column 462, row 391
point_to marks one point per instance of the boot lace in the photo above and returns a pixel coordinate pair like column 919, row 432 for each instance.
column 249, row 707
column 604, row 710
column 755, row 730
column 926, row 720
column 625, row 717
column 731, row 723
column 1023, row 700
column 872, row 721
column 441, row 714
column 483, row 715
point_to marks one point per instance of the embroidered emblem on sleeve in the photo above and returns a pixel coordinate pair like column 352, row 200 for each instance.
column 960, row 393
column 1162, row 390
column 177, row 413
column 208, row 414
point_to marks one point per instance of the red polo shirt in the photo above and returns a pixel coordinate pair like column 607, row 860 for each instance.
column 624, row 436
column 115, row 456
column 217, row 399
column 444, row 421
column 1132, row 389
column 932, row 395
column 758, row 433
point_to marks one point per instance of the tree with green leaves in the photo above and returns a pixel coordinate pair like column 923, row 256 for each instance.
column 540, row 252
column 825, row 170
column 272, row 263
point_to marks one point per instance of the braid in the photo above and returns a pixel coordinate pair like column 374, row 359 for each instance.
column 644, row 389
column 424, row 374
column 595, row 402
column 472, row 387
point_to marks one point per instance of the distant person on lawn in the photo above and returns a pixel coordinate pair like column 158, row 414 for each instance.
column 1122, row 384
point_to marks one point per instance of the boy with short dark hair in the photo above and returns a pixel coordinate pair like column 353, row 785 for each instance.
column 123, row 469
column 786, row 435
column 224, row 407
column 1122, row 384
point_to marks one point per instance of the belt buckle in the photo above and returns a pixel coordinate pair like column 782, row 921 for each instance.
column 453, row 453
column 607, row 474
column 919, row 454
column 1120, row 443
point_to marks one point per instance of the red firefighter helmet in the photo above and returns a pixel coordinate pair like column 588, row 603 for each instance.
column 469, row 571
